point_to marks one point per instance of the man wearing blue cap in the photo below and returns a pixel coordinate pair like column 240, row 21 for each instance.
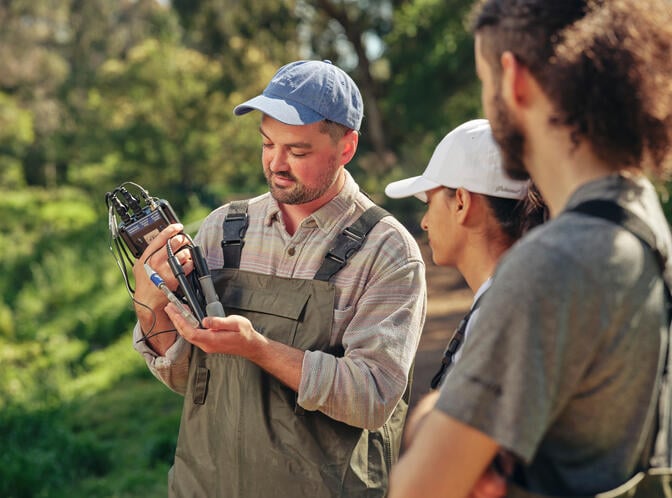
column 302, row 389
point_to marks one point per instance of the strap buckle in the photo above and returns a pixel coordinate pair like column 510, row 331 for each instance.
column 235, row 226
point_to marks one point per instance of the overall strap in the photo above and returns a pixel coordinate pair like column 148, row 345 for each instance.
column 349, row 242
column 658, row 453
column 234, row 228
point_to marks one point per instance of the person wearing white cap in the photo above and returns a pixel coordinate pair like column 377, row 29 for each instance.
column 302, row 389
column 475, row 213
column 473, row 210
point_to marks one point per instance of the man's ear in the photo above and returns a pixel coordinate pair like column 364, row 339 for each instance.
column 349, row 143
column 515, row 81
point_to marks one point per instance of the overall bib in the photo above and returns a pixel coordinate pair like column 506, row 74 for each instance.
column 242, row 433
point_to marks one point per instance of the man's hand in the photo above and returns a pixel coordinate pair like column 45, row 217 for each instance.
column 235, row 335
column 150, row 301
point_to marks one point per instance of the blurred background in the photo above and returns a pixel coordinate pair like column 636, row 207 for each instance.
column 94, row 93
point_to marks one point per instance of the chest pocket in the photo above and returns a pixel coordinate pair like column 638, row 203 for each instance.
column 298, row 313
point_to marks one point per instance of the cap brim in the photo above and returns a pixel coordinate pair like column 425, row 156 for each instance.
column 416, row 186
column 291, row 113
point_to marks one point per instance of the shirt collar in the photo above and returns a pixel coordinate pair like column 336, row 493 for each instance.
column 481, row 290
column 341, row 205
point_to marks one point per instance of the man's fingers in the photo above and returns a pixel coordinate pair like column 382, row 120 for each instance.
column 160, row 240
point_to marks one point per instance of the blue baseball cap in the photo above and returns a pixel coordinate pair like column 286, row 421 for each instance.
column 305, row 92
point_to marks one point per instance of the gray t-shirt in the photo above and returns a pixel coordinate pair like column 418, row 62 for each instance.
column 564, row 370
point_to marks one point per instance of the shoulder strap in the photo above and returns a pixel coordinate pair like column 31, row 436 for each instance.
column 349, row 242
column 659, row 439
column 234, row 227
column 453, row 346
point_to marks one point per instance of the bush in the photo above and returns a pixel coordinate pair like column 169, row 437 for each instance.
column 39, row 453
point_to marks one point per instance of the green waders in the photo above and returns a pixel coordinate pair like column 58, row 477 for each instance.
column 242, row 435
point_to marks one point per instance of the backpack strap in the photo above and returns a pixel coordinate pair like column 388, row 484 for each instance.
column 453, row 346
column 348, row 242
column 657, row 451
column 611, row 211
column 234, row 228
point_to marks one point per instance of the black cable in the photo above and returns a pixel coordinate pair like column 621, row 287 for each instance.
column 127, row 211
column 146, row 337
column 119, row 260
column 185, row 286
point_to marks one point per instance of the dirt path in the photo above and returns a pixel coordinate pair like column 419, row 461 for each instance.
column 447, row 302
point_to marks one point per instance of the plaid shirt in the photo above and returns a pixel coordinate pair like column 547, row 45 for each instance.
column 380, row 304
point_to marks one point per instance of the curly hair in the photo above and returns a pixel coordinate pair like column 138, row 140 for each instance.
column 605, row 65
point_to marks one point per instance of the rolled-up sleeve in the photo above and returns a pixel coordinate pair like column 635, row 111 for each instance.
column 363, row 387
column 173, row 368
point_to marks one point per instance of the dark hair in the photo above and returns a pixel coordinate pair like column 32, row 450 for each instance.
column 605, row 65
column 517, row 217
column 335, row 130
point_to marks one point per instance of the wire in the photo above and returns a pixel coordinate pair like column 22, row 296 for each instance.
column 154, row 318
column 127, row 209
column 188, row 290
column 119, row 260
column 149, row 334
column 146, row 337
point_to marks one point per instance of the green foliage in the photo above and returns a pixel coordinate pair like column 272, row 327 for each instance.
column 70, row 381
column 433, row 85
column 63, row 300
column 168, row 126
column 111, row 444
column 40, row 454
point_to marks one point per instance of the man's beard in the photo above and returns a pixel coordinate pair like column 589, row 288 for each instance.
column 299, row 193
column 510, row 139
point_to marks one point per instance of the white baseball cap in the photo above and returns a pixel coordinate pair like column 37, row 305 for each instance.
column 467, row 157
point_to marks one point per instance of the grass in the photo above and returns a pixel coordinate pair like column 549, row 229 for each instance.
column 118, row 443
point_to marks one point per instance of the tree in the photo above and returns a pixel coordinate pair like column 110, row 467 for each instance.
column 49, row 53
column 432, row 85
column 350, row 33
column 246, row 38
column 167, row 124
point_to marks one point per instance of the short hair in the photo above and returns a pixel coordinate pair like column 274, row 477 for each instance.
column 605, row 65
column 335, row 130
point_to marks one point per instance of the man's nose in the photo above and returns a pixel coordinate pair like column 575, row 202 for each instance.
column 278, row 161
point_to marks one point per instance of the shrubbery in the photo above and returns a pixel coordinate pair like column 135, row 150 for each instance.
column 65, row 350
